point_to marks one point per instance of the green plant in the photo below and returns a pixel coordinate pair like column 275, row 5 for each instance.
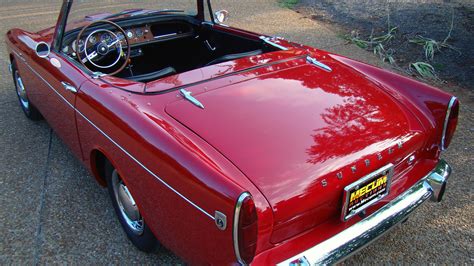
column 288, row 3
column 375, row 43
column 386, row 55
column 430, row 46
column 424, row 69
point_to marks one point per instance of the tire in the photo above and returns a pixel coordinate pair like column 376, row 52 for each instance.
column 28, row 108
column 132, row 223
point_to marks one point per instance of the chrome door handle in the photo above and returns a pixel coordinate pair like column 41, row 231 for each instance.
column 69, row 87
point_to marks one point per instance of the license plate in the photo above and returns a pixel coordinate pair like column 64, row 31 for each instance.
column 366, row 191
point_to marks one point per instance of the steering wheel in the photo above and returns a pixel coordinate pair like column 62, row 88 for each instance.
column 110, row 50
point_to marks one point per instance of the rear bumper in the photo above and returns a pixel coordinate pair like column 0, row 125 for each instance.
column 349, row 241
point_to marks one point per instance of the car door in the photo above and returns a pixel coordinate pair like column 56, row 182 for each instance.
column 59, row 81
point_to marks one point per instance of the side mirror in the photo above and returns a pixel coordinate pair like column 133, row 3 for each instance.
column 42, row 49
column 221, row 16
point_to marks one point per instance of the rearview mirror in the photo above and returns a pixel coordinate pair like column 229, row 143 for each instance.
column 42, row 49
column 221, row 16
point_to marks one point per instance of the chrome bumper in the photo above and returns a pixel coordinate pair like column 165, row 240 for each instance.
column 349, row 241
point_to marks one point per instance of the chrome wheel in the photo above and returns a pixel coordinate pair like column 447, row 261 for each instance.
column 21, row 92
column 127, row 206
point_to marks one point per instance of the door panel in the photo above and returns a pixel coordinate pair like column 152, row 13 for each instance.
column 55, row 102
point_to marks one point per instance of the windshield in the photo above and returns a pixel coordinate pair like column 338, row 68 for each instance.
column 85, row 11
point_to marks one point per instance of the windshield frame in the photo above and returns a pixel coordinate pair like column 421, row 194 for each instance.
column 64, row 13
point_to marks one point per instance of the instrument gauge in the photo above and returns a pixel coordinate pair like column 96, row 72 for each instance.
column 66, row 49
column 106, row 38
column 139, row 33
column 80, row 46
column 74, row 46
column 130, row 34
column 120, row 36
column 93, row 40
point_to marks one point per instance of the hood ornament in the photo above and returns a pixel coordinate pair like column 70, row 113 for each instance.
column 187, row 95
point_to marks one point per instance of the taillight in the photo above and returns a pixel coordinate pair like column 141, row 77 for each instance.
column 245, row 229
column 450, row 123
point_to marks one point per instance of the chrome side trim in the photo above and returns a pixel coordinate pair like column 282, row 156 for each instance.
column 269, row 41
column 120, row 147
column 446, row 120
column 354, row 238
column 235, row 229
column 19, row 55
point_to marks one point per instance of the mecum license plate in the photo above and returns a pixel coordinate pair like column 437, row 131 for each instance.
column 366, row 191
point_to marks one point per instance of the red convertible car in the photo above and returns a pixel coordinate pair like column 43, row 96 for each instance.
column 227, row 146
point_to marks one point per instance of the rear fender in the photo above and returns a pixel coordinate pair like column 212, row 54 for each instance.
column 427, row 103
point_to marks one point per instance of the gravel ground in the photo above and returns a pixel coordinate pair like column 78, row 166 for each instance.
column 52, row 211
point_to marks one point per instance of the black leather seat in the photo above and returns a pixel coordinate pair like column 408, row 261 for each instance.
column 230, row 57
column 154, row 75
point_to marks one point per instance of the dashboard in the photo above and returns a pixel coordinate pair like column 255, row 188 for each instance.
column 138, row 35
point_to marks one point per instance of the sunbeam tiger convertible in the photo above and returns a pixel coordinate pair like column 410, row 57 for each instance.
column 227, row 146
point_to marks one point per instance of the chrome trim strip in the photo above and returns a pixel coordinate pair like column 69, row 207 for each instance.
column 121, row 148
column 165, row 35
column 446, row 120
column 235, row 229
column 354, row 238
column 268, row 41
column 19, row 55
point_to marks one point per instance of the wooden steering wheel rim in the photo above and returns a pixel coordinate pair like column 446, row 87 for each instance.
column 127, row 57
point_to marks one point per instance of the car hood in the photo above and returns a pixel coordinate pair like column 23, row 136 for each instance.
column 291, row 128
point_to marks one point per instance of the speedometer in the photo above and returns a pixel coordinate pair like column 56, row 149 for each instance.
column 105, row 38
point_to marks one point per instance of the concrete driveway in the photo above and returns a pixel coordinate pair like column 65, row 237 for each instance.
column 52, row 211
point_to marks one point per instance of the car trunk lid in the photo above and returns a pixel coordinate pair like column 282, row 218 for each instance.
column 301, row 134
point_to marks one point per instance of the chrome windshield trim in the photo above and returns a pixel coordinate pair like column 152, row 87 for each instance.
column 121, row 148
column 235, row 229
column 61, row 25
column 354, row 238
column 446, row 121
